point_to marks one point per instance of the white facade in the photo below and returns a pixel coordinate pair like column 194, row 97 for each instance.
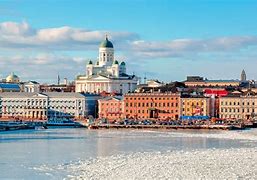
column 31, row 86
column 106, row 74
column 42, row 105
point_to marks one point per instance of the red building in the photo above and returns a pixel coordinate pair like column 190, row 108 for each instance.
column 111, row 108
column 215, row 95
column 161, row 106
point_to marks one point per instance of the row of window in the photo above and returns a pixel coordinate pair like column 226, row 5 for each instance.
column 139, row 98
column 237, row 103
column 248, row 110
column 230, row 116
column 193, row 104
column 111, row 109
column 152, row 104
column 147, row 111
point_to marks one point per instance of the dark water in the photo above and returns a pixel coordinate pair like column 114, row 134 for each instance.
column 22, row 151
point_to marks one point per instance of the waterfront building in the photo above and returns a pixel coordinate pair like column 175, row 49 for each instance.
column 155, row 105
column 107, row 74
column 239, row 105
column 25, row 105
column 195, row 106
column 215, row 95
column 49, row 105
column 111, row 108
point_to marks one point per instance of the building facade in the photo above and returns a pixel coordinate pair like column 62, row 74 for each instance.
column 111, row 108
column 239, row 105
column 161, row 106
column 195, row 106
column 31, row 86
column 107, row 74
column 41, row 106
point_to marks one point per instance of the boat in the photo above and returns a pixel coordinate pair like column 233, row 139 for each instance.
column 40, row 127
column 60, row 122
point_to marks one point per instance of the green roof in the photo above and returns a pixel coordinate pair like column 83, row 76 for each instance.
column 123, row 63
column 115, row 62
column 90, row 62
column 106, row 43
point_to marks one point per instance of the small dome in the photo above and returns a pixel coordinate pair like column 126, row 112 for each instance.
column 90, row 62
column 123, row 63
column 106, row 43
column 12, row 78
column 115, row 62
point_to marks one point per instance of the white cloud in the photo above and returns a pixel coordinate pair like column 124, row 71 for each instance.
column 182, row 47
column 26, row 49
column 21, row 35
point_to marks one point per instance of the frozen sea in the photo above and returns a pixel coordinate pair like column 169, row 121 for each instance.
column 69, row 153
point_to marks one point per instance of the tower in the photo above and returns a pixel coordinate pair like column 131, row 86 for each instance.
column 106, row 53
column 89, row 68
column 243, row 76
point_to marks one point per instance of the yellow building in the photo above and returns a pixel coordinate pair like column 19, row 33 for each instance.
column 195, row 106
column 12, row 78
column 238, row 105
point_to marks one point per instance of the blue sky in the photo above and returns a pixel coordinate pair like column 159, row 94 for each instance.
column 164, row 39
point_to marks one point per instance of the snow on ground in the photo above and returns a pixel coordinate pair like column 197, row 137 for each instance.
column 198, row 164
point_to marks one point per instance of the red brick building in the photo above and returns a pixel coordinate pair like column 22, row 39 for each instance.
column 161, row 106
column 111, row 108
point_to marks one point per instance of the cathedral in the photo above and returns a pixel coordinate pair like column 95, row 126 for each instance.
column 107, row 74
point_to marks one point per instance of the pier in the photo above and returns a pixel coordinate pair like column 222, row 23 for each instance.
column 207, row 127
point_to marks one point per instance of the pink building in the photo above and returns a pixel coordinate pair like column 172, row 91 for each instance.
column 111, row 108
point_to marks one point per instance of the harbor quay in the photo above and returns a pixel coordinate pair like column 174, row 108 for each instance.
column 158, row 110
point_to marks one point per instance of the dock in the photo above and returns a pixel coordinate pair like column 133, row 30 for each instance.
column 207, row 127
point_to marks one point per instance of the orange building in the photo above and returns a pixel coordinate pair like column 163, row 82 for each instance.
column 161, row 106
column 111, row 108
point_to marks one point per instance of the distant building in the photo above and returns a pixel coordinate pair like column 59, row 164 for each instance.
column 161, row 106
column 171, row 87
column 212, row 83
column 107, row 74
column 57, row 88
column 9, row 87
column 111, row 108
column 194, row 78
column 243, row 76
column 12, row 78
column 31, row 86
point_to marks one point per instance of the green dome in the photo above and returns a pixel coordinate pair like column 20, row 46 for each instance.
column 90, row 62
column 123, row 63
column 106, row 43
column 115, row 62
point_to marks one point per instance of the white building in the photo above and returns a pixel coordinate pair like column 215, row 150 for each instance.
column 106, row 74
column 31, row 86
column 39, row 106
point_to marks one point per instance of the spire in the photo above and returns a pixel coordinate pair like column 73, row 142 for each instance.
column 58, row 79
column 243, row 75
column 106, row 37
